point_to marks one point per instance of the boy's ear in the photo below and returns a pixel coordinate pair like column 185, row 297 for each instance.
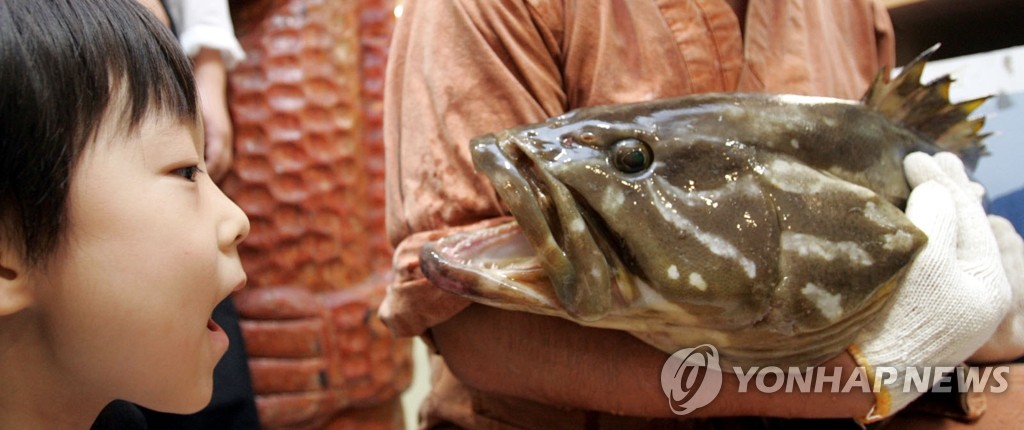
column 15, row 292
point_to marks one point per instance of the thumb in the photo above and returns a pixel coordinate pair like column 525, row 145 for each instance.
column 930, row 207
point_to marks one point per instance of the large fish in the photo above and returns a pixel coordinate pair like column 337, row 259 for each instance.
column 767, row 225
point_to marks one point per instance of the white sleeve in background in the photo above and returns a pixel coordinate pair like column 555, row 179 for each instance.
column 206, row 24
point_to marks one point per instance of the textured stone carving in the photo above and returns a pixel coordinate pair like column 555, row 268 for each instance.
column 308, row 171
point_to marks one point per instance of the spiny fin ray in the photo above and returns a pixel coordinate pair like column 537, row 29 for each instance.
column 926, row 109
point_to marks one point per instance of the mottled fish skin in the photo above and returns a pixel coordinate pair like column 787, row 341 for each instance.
column 767, row 225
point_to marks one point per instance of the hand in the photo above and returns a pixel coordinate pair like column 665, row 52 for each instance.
column 211, row 83
column 1008, row 342
column 953, row 295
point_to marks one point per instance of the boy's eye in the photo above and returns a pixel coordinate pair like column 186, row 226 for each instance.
column 189, row 172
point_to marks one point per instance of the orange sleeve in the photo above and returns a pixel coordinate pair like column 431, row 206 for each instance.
column 457, row 69
column 885, row 36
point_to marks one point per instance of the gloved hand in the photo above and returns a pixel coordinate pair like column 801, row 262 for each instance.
column 1008, row 342
column 954, row 294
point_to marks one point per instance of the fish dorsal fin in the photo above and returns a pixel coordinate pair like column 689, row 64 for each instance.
column 926, row 109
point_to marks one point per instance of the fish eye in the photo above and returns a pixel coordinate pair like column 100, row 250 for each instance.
column 631, row 156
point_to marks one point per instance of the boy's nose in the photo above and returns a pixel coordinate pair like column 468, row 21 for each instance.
column 234, row 224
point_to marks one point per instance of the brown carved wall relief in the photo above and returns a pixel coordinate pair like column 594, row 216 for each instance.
column 308, row 171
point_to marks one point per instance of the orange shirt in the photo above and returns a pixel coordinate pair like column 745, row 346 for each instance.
column 459, row 69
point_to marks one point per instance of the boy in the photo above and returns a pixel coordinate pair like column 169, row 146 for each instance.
column 115, row 246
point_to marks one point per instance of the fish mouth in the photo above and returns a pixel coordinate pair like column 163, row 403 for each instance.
column 559, row 231
column 554, row 258
column 493, row 264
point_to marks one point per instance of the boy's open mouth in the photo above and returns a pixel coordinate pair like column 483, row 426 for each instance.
column 213, row 326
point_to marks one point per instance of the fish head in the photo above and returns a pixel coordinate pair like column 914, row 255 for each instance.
column 615, row 207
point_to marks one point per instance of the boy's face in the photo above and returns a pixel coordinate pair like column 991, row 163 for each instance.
column 150, row 250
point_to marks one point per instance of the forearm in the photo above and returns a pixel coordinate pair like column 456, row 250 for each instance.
column 557, row 362
column 211, row 78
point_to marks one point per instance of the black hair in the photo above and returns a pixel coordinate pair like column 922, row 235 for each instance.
column 65, row 67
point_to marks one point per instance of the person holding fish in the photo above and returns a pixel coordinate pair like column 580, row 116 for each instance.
column 674, row 231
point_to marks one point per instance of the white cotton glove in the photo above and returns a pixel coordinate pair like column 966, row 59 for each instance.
column 1008, row 342
column 954, row 294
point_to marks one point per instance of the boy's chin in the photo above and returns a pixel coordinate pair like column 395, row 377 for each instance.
column 184, row 404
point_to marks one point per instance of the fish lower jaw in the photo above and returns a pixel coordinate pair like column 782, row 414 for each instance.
column 479, row 262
